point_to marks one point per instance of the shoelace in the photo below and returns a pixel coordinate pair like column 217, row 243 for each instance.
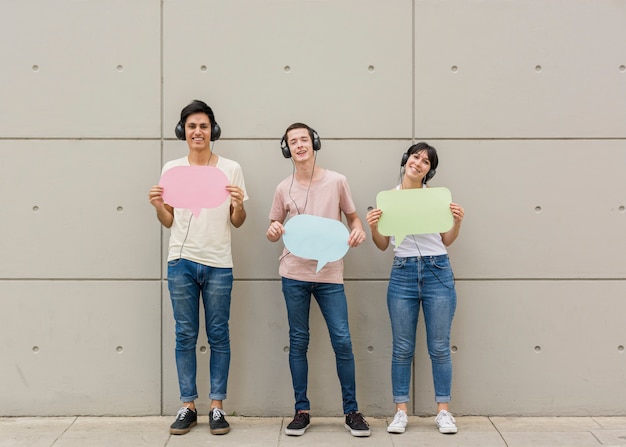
column 399, row 417
column 182, row 413
column 445, row 418
column 216, row 414
column 357, row 418
column 300, row 417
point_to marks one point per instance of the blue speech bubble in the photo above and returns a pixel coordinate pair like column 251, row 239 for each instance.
column 318, row 238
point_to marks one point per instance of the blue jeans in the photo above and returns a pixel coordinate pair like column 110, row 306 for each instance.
column 187, row 281
column 429, row 281
column 332, row 301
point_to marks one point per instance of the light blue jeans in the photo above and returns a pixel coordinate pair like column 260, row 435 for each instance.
column 187, row 282
column 332, row 301
column 427, row 280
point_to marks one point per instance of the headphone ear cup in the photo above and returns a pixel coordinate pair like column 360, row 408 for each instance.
column 216, row 131
column 405, row 158
column 284, row 148
column 429, row 175
column 317, row 143
column 180, row 131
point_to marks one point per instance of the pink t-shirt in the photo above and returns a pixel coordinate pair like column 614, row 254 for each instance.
column 328, row 197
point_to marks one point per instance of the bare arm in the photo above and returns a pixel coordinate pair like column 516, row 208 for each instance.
column 275, row 231
column 450, row 236
column 165, row 213
column 357, row 233
column 237, row 211
column 373, row 216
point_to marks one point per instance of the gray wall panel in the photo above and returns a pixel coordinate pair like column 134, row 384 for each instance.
column 80, row 69
column 520, row 69
column 533, row 348
column 237, row 63
column 501, row 184
column 79, row 209
column 80, row 347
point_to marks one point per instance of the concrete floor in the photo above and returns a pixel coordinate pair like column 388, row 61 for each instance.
column 153, row 431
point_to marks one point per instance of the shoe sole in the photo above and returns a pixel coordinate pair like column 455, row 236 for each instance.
column 296, row 432
column 448, row 431
column 219, row 431
column 395, row 429
column 358, row 433
column 182, row 431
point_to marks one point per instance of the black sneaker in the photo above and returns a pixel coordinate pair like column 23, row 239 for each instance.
column 185, row 419
column 298, row 426
column 217, row 422
column 356, row 423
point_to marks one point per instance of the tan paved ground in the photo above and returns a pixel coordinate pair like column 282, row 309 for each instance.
column 152, row 431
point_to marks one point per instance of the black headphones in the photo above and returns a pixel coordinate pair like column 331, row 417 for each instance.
column 216, row 131
column 413, row 150
column 315, row 138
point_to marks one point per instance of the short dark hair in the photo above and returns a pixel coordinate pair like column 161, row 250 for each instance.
column 298, row 126
column 196, row 106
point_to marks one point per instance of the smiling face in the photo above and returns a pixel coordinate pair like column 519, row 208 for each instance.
column 417, row 166
column 198, row 131
column 300, row 144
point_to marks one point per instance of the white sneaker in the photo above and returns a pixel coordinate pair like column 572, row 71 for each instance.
column 399, row 422
column 446, row 423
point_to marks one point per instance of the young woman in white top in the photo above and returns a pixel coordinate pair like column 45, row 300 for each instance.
column 421, row 274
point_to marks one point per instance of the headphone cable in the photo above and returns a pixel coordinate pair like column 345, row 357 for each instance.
column 412, row 236
column 180, row 255
column 293, row 176
column 306, row 201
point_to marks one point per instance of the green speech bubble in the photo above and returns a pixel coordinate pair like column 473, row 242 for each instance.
column 414, row 211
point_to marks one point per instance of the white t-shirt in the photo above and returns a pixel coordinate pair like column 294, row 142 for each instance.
column 205, row 239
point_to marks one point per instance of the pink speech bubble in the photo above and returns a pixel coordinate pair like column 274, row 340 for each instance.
column 194, row 187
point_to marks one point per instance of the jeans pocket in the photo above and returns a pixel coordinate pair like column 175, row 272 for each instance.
column 173, row 267
column 441, row 263
column 398, row 263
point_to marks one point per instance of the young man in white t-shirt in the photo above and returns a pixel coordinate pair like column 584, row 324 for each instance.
column 319, row 192
column 200, row 266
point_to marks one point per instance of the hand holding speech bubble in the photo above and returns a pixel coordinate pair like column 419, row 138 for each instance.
column 314, row 237
column 414, row 211
column 194, row 187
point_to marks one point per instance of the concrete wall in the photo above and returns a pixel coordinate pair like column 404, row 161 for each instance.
column 525, row 100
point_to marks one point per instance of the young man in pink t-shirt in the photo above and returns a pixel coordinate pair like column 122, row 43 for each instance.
column 319, row 192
